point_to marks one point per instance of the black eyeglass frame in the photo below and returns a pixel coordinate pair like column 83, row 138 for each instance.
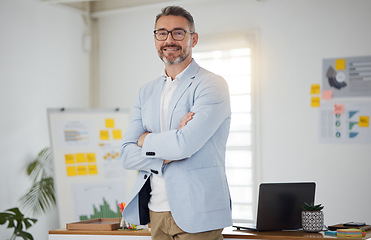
column 171, row 32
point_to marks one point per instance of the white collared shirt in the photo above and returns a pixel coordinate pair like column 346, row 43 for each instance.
column 159, row 201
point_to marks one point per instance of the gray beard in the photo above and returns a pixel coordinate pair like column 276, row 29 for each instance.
column 179, row 59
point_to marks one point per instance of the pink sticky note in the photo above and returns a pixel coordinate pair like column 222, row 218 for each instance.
column 339, row 108
column 327, row 94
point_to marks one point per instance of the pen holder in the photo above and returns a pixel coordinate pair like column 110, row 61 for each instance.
column 125, row 225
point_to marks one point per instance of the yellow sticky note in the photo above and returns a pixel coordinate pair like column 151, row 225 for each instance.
column 339, row 108
column 340, row 64
column 71, row 171
column 364, row 121
column 82, row 170
column 92, row 169
column 69, row 158
column 110, row 123
column 315, row 89
column 91, row 157
column 80, row 157
column 315, row 102
column 117, row 134
column 104, row 135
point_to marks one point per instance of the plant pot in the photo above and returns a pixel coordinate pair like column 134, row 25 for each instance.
column 312, row 221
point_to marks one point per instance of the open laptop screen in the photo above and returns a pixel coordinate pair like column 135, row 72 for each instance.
column 279, row 205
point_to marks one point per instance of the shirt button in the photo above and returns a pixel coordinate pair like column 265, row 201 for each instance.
column 145, row 176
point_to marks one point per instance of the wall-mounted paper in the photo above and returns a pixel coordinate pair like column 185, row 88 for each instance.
column 364, row 121
column 315, row 102
column 315, row 89
column 338, row 108
column 327, row 94
column 347, row 77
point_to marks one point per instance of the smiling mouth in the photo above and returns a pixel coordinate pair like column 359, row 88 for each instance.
column 171, row 48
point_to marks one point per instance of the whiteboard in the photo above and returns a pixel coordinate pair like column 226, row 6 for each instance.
column 88, row 175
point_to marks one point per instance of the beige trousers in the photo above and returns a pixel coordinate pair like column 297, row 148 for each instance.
column 163, row 227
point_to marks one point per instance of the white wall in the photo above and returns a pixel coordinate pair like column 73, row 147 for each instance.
column 294, row 37
column 42, row 65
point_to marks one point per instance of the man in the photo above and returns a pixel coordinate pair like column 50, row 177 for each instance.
column 177, row 139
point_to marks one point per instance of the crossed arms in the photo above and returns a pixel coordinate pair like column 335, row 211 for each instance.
column 188, row 117
column 209, row 109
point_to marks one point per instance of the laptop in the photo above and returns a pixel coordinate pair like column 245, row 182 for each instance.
column 279, row 206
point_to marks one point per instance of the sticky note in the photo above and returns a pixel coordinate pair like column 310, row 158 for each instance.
column 104, row 135
column 315, row 89
column 92, row 169
column 81, row 170
column 339, row 108
column 349, row 233
column 364, row 121
column 71, row 171
column 110, row 123
column 69, row 158
column 327, row 94
column 91, row 157
column 340, row 64
column 117, row 134
column 80, row 157
column 315, row 102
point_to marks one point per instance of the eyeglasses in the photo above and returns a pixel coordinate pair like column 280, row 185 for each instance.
column 176, row 34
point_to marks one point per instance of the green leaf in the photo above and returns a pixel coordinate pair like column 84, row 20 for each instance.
column 17, row 221
column 312, row 207
column 29, row 221
column 16, row 211
column 4, row 217
column 41, row 195
column 25, row 235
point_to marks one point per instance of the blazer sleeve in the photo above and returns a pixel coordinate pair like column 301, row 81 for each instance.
column 211, row 108
column 130, row 152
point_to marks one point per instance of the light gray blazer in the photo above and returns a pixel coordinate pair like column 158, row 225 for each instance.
column 196, row 183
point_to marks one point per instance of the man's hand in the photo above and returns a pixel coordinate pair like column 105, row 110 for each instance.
column 188, row 117
column 166, row 162
column 141, row 139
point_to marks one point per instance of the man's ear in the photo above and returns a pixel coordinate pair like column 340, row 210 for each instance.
column 194, row 39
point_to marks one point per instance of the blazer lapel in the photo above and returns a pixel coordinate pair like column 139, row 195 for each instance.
column 156, row 101
column 185, row 82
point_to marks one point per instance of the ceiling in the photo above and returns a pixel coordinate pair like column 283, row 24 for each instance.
column 95, row 6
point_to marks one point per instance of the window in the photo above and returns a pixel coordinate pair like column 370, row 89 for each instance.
column 235, row 65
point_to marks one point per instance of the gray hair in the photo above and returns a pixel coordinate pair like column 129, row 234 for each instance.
column 177, row 11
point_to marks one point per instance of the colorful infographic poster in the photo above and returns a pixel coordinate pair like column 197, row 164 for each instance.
column 347, row 77
column 345, row 123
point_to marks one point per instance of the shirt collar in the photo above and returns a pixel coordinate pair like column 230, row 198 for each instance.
column 177, row 77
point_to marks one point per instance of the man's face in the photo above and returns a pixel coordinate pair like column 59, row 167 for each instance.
column 171, row 51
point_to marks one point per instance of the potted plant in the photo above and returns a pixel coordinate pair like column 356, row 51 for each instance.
column 41, row 196
column 312, row 217
column 16, row 220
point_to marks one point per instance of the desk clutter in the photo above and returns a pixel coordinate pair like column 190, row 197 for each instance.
column 348, row 230
column 362, row 226
column 99, row 224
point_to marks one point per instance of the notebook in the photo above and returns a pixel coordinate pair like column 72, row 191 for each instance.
column 279, row 206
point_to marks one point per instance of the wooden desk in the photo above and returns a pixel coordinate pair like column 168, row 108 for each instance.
column 228, row 234
column 232, row 233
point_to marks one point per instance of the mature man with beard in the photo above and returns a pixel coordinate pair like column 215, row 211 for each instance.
column 177, row 139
